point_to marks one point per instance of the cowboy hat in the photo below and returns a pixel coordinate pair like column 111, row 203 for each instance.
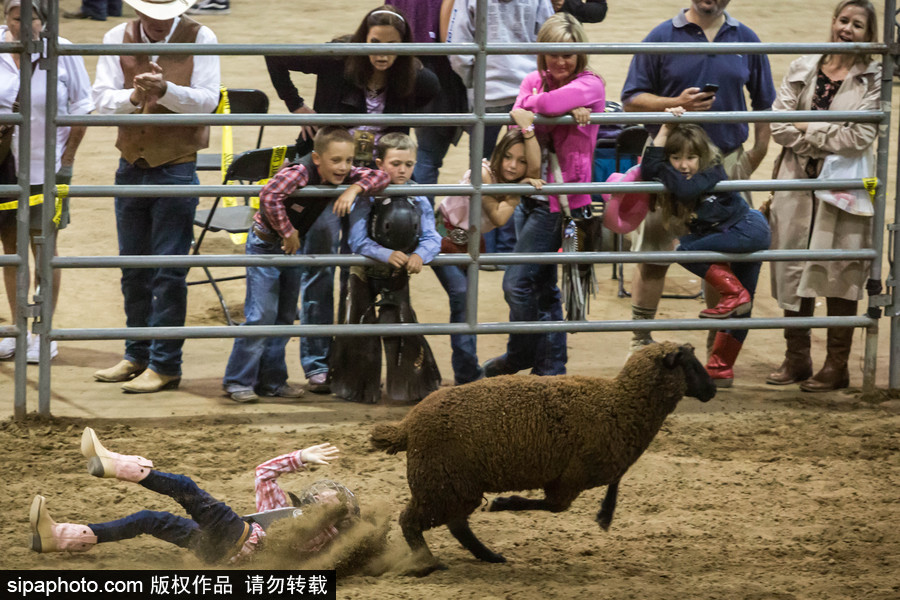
column 625, row 211
column 161, row 10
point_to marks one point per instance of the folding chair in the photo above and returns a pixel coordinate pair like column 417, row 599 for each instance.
column 630, row 143
column 240, row 101
column 247, row 167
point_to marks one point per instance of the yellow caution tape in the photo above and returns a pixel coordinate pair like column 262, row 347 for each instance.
column 278, row 154
column 871, row 184
column 62, row 191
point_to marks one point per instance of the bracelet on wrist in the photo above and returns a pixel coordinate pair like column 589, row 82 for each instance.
column 529, row 128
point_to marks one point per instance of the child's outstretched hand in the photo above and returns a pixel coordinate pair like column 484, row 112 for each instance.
column 320, row 454
column 414, row 264
column 663, row 133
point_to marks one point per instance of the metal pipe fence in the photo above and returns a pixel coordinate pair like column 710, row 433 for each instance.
column 476, row 120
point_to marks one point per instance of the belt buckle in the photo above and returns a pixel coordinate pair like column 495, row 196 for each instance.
column 459, row 236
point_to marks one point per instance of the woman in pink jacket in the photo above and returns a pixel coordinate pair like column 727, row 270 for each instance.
column 562, row 85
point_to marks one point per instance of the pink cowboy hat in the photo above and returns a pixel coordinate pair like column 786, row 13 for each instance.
column 625, row 211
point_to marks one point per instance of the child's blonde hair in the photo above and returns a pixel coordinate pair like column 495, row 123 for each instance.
column 394, row 141
column 328, row 135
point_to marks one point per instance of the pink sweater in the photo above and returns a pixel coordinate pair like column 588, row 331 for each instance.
column 574, row 145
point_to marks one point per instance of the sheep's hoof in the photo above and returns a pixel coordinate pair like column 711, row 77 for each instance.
column 493, row 557
column 424, row 570
column 605, row 521
column 500, row 503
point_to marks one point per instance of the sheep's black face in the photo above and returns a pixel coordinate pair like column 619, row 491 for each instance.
column 699, row 384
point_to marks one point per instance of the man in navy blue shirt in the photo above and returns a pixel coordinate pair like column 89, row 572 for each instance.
column 659, row 81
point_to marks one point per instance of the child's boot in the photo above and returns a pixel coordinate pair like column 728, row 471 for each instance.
column 50, row 536
column 103, row 463
column 734, row 298
column 720, row 366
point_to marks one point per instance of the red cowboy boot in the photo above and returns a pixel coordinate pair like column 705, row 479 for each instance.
column 721, row 361
column 735, row 299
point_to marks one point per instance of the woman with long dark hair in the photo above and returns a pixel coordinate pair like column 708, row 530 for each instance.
column 361, row 84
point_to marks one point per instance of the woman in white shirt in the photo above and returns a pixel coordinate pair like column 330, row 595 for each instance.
column 73, row 98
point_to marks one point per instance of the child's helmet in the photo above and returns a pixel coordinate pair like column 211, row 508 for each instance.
column 395, row 223
column 327, row 491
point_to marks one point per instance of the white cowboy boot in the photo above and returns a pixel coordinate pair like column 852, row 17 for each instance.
column 103, row 463
column 49, row 536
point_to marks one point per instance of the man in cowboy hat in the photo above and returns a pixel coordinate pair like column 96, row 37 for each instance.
column 157, row 156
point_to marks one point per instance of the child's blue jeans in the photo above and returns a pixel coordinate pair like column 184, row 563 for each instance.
column 750, row 234
column 211, row 532
column 258, row 363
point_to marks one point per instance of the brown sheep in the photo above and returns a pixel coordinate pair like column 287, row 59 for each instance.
column 563, row 434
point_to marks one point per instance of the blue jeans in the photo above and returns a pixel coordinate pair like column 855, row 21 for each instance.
column 464, row 357
column 155, row 297
column 211, row 532
column 434, row 142
column 750, row 234
column 257, row 363
column 317, row 291
column 100, row 9
column 532, row 294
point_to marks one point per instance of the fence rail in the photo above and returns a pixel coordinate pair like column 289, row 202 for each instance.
column 476, row 121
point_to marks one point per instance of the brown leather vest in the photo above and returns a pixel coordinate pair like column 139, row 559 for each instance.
column 159, row 145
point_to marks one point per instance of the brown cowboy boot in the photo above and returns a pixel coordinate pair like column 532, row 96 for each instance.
column 834, row 374
column 797, row 365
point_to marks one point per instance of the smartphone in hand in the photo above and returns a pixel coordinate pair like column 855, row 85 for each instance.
column 711, row 88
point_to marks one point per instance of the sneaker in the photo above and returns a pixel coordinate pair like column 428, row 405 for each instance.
column 637, row 344
column 285, row 390
column 34, row 349
column 7, row 348
column 244, row 396
column 210, row 7
column 318, row 384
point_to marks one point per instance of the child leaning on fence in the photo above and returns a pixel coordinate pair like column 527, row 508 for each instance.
column 516, row 159
column 398, row 232
column 685, row 161
column 257, row 365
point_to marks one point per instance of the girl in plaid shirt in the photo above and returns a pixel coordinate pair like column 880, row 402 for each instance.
column 214, row 532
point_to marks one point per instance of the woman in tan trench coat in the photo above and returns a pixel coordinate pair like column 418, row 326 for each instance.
column 799, row 220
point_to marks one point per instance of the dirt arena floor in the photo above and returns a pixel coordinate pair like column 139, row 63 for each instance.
column 763, row 493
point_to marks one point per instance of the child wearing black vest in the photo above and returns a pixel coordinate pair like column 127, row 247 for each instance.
column 257, row 365
column 399, row 233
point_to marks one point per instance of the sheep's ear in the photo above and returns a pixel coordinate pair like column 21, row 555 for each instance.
column 676, row 357
column 672, row 359
column 295, row 501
